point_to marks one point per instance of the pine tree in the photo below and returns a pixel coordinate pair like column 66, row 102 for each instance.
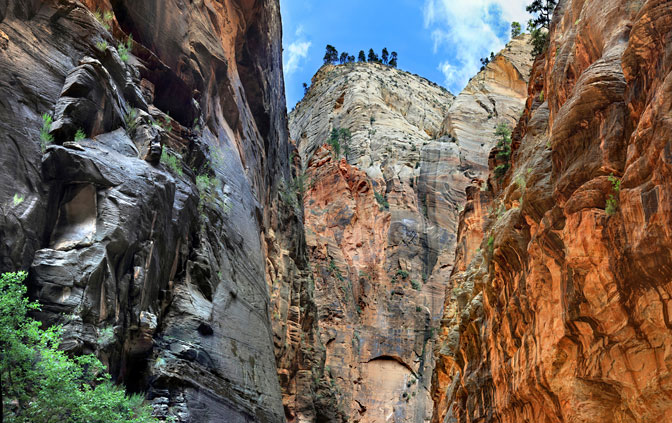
column 330, row 55
column 539, row 25
column 393, row 59
column 351, row 59
column 361, row 57
column 305, row 89
column 373, row 57
column 516, row 29
column 343, row 58
column 385, row 55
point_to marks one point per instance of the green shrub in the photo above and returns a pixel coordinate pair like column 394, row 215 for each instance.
column 171, row 162
column 501, row 170
column 612, row 202
column 43, row 384
column 416, row 285
column 491, row 243
column 105, row 18
column 382, row 202
column 101, row 45
column 125, row 48
column 18, row 199
column 80, row 135
column 130, row 120
column 402, row 273
column 45, row 137
column 338, row 140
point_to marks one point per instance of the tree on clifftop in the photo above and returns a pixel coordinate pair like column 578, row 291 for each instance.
column 516, row 29
column 539, row 25
column 393, row 59
column 385, row 55
column 343, row 58
column 330, row 55
column 373, row 57
column 362, row 56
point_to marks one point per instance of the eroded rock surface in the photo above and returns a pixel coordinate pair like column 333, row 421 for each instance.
column 561, row 313
column 171, row 269
column 381, row 218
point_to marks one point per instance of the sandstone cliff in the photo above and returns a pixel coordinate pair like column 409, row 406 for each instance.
column 157, row 238
column 381, row 216
column 558, row 306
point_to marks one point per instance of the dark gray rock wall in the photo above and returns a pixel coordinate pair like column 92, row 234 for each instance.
column 166, row 279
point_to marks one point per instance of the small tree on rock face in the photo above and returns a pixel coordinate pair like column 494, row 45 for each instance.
column 343, row 58
column 393, row 59
column 539, row 25
column 351, row 59
column 385, row 56
column 330, row 55
column 516, row 29
column 305, row 88
column 373, row 57
column 362, row 56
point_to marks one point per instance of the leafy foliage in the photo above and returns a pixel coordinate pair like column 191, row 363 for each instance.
column 612, row 202
column 385, row 56
column 361, row 57
column 41, row 384
column 18, row 199
column 105, row 18
column 80, row 135
column 171, row 162
column 101, row 45
column 125, row 48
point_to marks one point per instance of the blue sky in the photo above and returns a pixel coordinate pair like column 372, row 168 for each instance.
column 441, row 40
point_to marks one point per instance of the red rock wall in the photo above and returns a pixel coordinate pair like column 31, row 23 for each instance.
column 563, row 313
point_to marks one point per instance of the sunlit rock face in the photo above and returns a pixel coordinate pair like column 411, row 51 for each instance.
column 173, row 284
column 561, row 312
column 381, row 217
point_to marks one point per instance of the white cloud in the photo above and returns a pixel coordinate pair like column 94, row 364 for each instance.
column 296, row 51
column 468, row 29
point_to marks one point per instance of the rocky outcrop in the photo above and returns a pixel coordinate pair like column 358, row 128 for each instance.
column 561, row 313
column 381, row 207
column 146, row 206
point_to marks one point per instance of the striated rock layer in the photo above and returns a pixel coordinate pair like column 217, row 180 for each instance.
column 562, row 313
column 381, row 217
column 168, row 269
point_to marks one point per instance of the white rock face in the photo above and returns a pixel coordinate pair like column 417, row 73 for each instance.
column 419, row 147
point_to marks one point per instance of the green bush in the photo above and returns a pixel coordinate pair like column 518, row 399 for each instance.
column 125, row 48
column 80, row 135
column 18, row 199
column 338, row 140
column 612, row 202
column 171, row 162
column 402, row 273
column 130, row 119
column 382, row 202
column 101, row 45
column 105, row 18
column 45, row 137
column 43, row 384
column 416, row 285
